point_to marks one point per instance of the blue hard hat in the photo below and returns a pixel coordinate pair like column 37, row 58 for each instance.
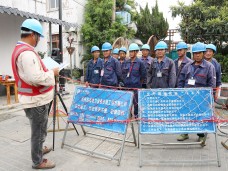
column 133, row 47
column 123, row 49
column 198, row 47
column 211, row 46
column 161, row 45
column 145, row 46
column 34, row 25
column 106, row 46
column 94, row 48
column 115, row 51
column 182, row 45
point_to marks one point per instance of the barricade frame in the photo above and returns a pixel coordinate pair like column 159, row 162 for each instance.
column 123, row 140
column 141, row 144
column 99, row 135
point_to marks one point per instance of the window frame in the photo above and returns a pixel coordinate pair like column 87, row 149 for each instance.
column 49, row 8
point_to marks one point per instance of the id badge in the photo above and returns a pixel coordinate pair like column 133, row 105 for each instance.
column 128, row 74
column 102, row 73
column 96, row 71
column 159, row 74
column 191, row 81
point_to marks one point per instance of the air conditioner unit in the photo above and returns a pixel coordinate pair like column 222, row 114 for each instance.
column 126, row 17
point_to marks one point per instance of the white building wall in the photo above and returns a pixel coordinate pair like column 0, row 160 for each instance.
column 10, row 33
column 73, row 11
column 32, row 6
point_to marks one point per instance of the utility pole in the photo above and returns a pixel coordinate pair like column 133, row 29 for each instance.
column 114, row 11
column 186, row 31
column 62, row 81
column 60, row 32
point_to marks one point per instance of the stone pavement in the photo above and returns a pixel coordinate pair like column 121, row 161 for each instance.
column 15, row 148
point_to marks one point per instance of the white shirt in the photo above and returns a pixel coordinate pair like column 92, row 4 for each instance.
column 30, row 70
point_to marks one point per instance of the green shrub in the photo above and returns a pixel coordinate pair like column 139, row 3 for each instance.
column 223, row 60
column 77, row 73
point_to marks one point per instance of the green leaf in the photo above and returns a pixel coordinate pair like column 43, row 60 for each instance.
column 208, row 18
column 98, row 27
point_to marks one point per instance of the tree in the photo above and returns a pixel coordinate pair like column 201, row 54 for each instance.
column 151, row 23
column 98, row 27
column 203, row 20
column 223, row 60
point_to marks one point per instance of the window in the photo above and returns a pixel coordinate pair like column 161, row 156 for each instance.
column 53, row 4
column 55, row 41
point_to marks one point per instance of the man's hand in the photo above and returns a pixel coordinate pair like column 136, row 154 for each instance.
column 216, row 93
column 56, row 71
column 87, row 84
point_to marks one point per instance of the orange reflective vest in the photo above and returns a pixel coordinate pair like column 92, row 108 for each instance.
column 23, row 87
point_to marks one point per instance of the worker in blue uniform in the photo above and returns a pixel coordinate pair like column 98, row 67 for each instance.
column 94, row 68
column 208, row 55
column 147, row 60
column 111, row 74
column 162, row 73
column 122, row 60
column 136, row 74
column 115, row 53
column 182, row 59
column 198, row 73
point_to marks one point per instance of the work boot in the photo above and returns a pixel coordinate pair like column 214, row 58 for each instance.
column 202, row 140
column 182, row 137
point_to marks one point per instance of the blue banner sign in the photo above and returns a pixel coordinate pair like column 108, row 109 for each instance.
column 176, row 111
column 101, row 108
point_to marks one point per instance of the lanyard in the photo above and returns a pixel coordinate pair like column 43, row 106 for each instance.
column 160, row 66
column 179, row 68
column 193, row 73
column 144, row 59
column 131, row 67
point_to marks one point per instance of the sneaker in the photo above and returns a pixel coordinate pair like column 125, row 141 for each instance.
column 202, row 140
column 46, row 164
column 182, row 137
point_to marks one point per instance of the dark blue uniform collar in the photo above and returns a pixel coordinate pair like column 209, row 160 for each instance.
column 147, row 58
column 202, row 65
column 213, row 60
column 98, row 63
column 98, row 60
column 185, row 60
column 109, row 59
column 163, row 60
column 136, row 60
column 123, row 60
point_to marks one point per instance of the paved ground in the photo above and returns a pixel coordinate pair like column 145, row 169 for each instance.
column 15, row 148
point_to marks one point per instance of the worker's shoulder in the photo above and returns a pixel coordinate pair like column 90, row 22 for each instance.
column 28, row 53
